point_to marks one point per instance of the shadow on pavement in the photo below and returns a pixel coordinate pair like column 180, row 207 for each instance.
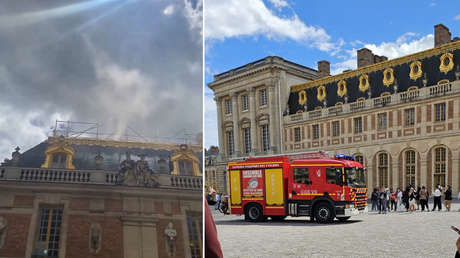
column 287, row 222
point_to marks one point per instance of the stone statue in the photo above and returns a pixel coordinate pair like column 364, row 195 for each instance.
column 95, row 238
column 142, row 171
column 126, row 174
column 170, row 234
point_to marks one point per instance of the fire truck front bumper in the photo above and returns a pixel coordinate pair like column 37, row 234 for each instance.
column 347, row 212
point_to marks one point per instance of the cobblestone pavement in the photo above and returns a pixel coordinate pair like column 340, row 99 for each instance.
column 405, row 234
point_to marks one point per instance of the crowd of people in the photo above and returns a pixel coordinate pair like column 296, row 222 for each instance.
column 410, row 199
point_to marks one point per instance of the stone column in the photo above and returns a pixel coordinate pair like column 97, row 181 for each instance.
column 423, row 171
column 272, row 112
column 236, row 127
column 252, row 113
column 220, row 128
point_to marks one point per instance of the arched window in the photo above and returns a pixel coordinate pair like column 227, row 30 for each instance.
column 383, row 169
column 409, row 167
column 440, row 166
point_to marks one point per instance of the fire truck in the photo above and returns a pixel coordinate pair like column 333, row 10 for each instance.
column 305, row 184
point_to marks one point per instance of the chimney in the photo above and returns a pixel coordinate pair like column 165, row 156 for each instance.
column 324, row 69
column 365, row 57
column 442, row 35
column 378, row 59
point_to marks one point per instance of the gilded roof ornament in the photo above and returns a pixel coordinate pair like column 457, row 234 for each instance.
column 447, row 62
column 321, row 93
column 302, row 97
column 341, row 88
column 363, row 82
column 388, row 77
column 415, row 70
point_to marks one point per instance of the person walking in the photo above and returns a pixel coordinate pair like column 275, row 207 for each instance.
column 423, row 197
column 417, row 197
column 218, row 196
column 399, row 202
column 412, row 201
column 405, row 198
column 383, row 201
column 437, row 198
column 448, row 197
column 393, row 199
column 374, row 199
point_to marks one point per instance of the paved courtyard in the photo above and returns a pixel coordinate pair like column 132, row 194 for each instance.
column 405, row 234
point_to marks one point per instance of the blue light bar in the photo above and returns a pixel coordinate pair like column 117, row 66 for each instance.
column 343, row 156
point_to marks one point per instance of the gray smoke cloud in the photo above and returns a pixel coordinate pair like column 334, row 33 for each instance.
column 121, row 63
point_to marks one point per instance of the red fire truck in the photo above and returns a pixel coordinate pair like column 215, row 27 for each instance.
column 297, row 185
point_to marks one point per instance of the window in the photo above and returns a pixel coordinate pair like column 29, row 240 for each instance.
column 358, row 124
column 247, row 139
column 228, row 107
column 244, row 102
column 440, row 112
column 301, row 176
column 59, row 160
column 410, row 168
column 185, row 167
column 440, row 166
column 48, row 233
column 360, row 159
column 383, row 169
column 409, row 116
column 315, row 129
column 382, row 121
column 265, row 138
column 336, row 128
column 263, row 97
column 230, row 145
column 194, row 226
column 331, row 175
column 297, row 135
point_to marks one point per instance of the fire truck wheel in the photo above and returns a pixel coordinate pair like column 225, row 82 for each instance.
column 323, row 213
column 278, row 218
column 342, row 219
column 254, row 213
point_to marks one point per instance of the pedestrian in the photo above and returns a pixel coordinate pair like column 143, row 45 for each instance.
column 405, row 198
column 383, row 201
column 437, row 198
column 417, row 197
column 218, row 197
column 412, row 201
column 423, row 197
column 448, row 197
column 399, row 202
column 387, row 195
column 374, row 199
column 393, row 199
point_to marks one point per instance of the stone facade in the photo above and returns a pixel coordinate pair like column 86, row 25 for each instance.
column 400, row 117
column 250, row 102
column 86, row 209
column 393, row 136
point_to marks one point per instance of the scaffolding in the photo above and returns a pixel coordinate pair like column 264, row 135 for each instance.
column 76, row 129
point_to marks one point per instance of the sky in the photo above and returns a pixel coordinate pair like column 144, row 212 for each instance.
column 238, row 32
column 129, row 65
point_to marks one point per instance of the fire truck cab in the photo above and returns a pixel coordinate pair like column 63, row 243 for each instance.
column 321, row 188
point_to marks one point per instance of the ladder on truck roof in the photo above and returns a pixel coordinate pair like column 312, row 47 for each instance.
column 293, row 156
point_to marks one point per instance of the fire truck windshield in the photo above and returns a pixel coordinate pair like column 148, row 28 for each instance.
column 355, row 177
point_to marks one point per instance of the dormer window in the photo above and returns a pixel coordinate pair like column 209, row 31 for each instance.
column 59, row 160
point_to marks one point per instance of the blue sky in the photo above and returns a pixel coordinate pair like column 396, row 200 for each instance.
column 241, row 31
